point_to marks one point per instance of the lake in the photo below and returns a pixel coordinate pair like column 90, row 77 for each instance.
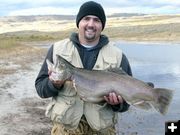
column 158, row 63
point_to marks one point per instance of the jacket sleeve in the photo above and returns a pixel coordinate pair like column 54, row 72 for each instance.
column 125, row 65
column 127, row 68
column 43, row 85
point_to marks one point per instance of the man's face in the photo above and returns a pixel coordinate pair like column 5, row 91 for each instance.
column 90, row 28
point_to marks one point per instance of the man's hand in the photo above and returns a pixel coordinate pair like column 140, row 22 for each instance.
column 113, row 99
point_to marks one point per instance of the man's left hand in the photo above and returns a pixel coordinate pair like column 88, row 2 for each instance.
column 113, row 99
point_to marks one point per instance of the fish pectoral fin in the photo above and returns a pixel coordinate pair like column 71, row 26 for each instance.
column 142, row 104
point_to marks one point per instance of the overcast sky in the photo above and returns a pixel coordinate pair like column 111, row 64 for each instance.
column 70, row 7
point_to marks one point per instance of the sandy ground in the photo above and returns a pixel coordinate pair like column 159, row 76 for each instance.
column 21, row 110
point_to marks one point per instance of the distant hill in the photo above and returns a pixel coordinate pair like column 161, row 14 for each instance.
column 33, row 18
column 125, row 14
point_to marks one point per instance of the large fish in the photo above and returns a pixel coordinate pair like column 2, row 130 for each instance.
column 93, row 85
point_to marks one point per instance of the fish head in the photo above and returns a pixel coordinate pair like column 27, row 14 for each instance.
column 60, row 66
column 59, row 69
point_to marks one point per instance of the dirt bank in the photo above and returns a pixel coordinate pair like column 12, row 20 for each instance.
column 21, row 110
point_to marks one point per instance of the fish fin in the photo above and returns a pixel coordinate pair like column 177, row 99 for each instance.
column 117, row 71
column 143, row 105
column 163, row 98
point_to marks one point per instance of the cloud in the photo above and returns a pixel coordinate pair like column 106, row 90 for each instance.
column 44, row 11
column 29, row 7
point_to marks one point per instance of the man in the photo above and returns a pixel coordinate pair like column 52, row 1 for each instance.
column 90, row 50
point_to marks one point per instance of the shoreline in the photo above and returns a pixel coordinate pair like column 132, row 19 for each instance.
column 152, row 42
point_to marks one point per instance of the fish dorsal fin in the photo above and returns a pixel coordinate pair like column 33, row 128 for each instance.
column 116, row 70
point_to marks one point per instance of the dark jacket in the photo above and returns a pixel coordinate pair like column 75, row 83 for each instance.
column 88, row 57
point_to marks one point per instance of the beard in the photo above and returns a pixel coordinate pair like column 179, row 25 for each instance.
column 89, row 37
column 90, row 34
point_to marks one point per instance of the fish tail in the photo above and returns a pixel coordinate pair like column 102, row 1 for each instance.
column 163, row 98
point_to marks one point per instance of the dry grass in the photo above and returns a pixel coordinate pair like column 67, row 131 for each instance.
column 15, row 54
column 137, row 28
column 32, row 36
column 19, row 58
column 157, row 32
column 145, row 28
column 6, row 44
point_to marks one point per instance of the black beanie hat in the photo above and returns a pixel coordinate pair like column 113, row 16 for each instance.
column 91, row 8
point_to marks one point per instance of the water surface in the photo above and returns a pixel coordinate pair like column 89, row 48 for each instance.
column 158, row 63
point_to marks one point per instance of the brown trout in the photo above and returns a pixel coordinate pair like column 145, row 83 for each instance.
column 93, row 85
